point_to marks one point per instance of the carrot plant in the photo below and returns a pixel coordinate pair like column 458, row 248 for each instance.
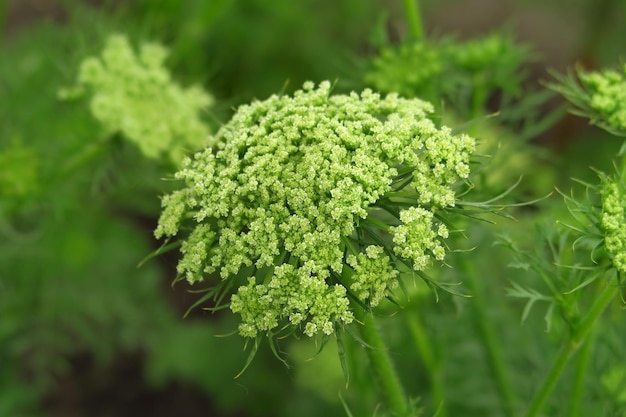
column 314, row 208
column 389, row 233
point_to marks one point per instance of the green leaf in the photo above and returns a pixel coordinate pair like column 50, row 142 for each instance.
column 253, row 351
column 165, row 247
column 532, row 295
column 341, row 350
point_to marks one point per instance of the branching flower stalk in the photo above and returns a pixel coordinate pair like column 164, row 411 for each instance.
column 575, row 341
column 611, row 223
column 599, row 96
column 311, row 205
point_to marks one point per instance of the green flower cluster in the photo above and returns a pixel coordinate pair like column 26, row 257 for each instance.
column 307, row 195
column 373, row 275
column 294, row 293
column 607, row 96
column 613, row 223
column 494, row 51
column 405, row 69
column 415, row 238
column 446, row 66
column 134, row 95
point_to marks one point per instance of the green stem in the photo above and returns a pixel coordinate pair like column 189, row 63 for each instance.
column 381, row 362
column 491, row 345
column 414, row 19
column 430, row 362
column 622, row 167
column 576, row 397
column 597, row 14
column 376, row 223
column 576, row 339
column 478, row 97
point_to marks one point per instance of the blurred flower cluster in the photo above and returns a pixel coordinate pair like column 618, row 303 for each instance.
column 133, row 94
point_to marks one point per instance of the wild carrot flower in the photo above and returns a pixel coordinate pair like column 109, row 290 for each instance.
column 133, row 94
column 309, row 201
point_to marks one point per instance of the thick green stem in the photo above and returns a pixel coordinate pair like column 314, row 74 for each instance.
column 576, row 339
column 430, row 362
column 414, row 19
column 576, row 397
column 381, row 362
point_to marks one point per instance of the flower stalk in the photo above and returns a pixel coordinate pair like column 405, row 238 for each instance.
column 431, row 363
column 378, row 355
column 574, row 342
column 414, row 19
column 582, row 365
column 493, row 351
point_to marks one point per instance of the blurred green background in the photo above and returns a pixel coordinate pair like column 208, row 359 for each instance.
column 84, row 331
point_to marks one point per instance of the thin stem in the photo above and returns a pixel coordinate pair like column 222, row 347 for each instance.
column 491, row 345
column 383, row 367
column 430, row 362
column 622, row 167
column 598, row 13
column 414, row 19
column 376, row 223
column 478, row 98
column 575, row 340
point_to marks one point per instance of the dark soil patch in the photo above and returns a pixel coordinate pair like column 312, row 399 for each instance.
column 119, row 390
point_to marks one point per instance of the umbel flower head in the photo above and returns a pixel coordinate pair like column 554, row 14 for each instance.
column 613, row 222
column 309, row 203
column 607, row 96
column 597, row 95
column 133, row 94
column 445, row 67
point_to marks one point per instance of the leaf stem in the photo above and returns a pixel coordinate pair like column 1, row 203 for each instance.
column 576, row 339
column 414, row 19
column 383, row 367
